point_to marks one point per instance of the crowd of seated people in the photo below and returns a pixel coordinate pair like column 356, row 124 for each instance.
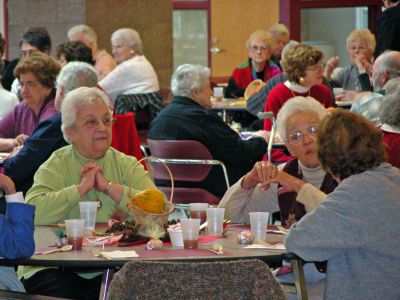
column 339, row 170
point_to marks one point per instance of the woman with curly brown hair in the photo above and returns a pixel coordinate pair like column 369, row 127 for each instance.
column 304, row 72
column 363, row 262
column 37, row 73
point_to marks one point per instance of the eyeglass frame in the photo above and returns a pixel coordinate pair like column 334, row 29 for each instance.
column 95, row 122
column 311, row 132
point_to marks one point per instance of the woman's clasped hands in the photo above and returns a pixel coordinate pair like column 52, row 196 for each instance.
column 91, row 177
column 265, row 173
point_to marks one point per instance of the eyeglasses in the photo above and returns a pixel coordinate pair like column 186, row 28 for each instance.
column 359, row 48
column 91, row 123
column 258, row 48
column 298, row 136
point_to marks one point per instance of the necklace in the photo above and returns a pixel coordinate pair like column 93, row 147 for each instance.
column 294, row 95
column 97, row 193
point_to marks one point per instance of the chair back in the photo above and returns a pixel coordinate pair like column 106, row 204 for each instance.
column 185, row 150
column 125, row 136
column 241, row 279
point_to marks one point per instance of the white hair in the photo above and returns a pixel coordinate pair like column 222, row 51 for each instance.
column 76, row 99
column 297, row 104
column 87, row 31
column 130, row 37
column 77, row 74
column 187, row 78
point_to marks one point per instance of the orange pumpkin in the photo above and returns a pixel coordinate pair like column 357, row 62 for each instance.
column 151, row 201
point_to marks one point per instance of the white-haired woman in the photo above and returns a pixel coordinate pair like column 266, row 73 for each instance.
column 258, row 66
column 103, row 61
column 134, row 73
column 187, row 118
column 86, row 170
column 297, row 124
column 355, row 77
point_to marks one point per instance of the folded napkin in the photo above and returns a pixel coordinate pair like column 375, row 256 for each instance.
column 278, row 246
column 119, row 254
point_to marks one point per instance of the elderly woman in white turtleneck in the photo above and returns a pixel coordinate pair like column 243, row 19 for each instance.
column 302, row 183
column 297, row 123
column 304, row 72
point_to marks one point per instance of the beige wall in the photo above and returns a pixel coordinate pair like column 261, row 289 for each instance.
column 151, row 18
column 232, row 22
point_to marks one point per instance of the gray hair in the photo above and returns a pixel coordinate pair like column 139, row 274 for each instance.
column 297, row 104
column 392, row 86
column 77, row 74
column 76, row 99
column 288, row 46
column 83, row 29
column 390, row 62
column 391, row 109
column 278, row 28
column 187, row 78
column 130, row 37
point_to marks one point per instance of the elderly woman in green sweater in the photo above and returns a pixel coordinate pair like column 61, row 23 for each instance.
column 87, row 170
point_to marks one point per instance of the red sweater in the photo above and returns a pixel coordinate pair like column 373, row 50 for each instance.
column 392, row 143
column 279, row 95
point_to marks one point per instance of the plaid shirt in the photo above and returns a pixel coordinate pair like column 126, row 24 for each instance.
column 256, row 103
column 369, row 106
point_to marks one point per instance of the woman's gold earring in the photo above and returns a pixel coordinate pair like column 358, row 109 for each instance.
column 301, row 79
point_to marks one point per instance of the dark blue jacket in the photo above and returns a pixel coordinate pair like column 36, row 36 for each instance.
column 185, row 119
column 16, row 231
column 46, row 138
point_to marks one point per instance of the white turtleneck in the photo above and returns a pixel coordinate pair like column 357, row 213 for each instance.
column 315, row 176
column 296, row 87
column 310, row 194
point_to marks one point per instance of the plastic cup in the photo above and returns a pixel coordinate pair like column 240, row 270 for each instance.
column 218, row 93
column 75, row 229
column 88, row 213
column 190, row 232
column 176, row 237
column 258, row 224
column 215, row 220
column 198, row 211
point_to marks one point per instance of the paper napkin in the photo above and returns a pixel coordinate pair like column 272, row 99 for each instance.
column 119, row 254
column 278, row 246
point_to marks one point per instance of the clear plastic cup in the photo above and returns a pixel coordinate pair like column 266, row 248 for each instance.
column 176, row 237
column 190, row 232
column 258, row 224
column 215, row 220
column 218, row 93
column 74, row 229
column 88, row 211
column 198, row 211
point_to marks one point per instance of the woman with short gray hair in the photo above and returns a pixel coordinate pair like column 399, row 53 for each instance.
column 188, row 118
column 87, row 170
column 187, row 78
column 133, row 84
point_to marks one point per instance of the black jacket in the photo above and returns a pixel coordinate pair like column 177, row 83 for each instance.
column 388, row 30
column 185, row 119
